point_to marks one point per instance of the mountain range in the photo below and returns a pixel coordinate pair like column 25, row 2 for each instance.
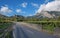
column 48, row 14
column 42, row 14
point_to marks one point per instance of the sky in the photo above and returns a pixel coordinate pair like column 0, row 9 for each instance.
column 21, row 7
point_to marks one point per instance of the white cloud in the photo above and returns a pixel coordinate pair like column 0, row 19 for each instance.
column 57, row 0
column 53, row 6
column 18, row 10
column 41, row 8
column 30, row 15
column 50, row 6
column 34, row 4
column 24, row 4
column 46, row 1
column 5, row 9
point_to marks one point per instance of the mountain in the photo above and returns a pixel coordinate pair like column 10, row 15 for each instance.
column 3, row 16
column 49, row 10
column 56, row 13
column 48, row 14
column 17, row 18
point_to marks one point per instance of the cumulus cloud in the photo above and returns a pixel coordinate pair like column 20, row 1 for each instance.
column 18, row 10
column 46, row 1
column 57, row 0
column 5, row 9
column 34, row 4
column 41, row 8
column 30, row 15
column 53, row 6
column 24, row 4
column 50, row 6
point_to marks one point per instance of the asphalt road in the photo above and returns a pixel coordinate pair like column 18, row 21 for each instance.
column 23, row 31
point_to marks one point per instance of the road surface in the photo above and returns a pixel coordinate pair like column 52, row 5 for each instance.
column 24, row 30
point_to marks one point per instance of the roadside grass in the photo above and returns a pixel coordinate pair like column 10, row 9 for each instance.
column 47, row 25
column 9, row 35
column 4, row 26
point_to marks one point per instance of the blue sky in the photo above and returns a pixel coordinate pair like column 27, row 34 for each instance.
column 20, row 7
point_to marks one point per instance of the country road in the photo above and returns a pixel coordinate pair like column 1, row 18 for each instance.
column 25, row 30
